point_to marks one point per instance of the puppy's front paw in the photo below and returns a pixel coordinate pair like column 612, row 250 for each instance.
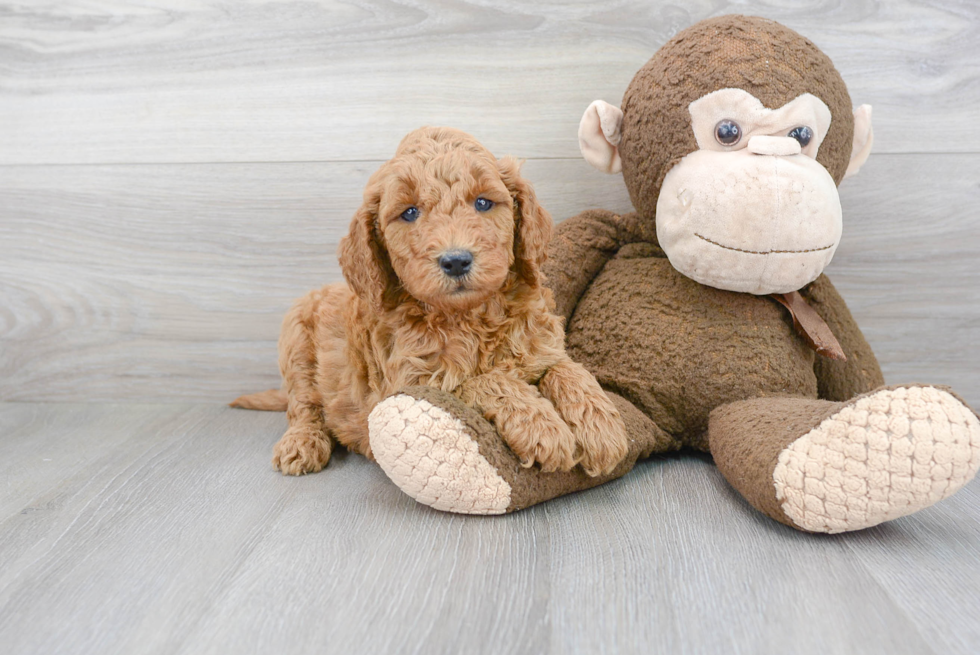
column 594, row 421
column 542, row 437
column 601, row 434
column 303, row 449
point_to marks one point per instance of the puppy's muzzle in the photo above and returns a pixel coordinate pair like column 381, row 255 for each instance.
column 456, row 263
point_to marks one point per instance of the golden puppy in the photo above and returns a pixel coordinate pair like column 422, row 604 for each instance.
column 443, row 263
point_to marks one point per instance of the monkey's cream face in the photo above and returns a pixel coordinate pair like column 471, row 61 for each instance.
column 751, row 210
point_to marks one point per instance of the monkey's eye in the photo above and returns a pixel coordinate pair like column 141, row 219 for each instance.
column 483, row 205
column 410, row 214
column 728, row 132
column 803, row 134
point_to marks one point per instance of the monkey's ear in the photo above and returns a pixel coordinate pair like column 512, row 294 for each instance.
column 599, row 135
column 863, row 138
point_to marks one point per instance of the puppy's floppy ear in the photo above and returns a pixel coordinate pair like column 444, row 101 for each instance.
column 363, row 257
column 532, row 224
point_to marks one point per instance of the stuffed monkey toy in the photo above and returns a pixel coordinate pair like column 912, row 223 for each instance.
column 705, row 315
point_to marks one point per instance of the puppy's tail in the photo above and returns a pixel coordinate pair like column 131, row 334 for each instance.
column 272, row 400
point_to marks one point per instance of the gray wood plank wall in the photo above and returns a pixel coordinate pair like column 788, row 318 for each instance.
column 173, row 175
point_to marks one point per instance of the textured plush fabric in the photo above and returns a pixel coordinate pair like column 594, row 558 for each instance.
column 599, row 134
column 770, row 61
column 863, row 140
column 883, row 455
column 432, row 456
column 446, row 455
column 674, row 347
column 678, row 349
column 577, row 252
column 713, row 209
column 692, row 365
column 841, row 380
column 822, row 466
column 757, row 121
column 748, row 436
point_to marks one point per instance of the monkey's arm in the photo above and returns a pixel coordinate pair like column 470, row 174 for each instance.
column 837, row 380
column 580, row 247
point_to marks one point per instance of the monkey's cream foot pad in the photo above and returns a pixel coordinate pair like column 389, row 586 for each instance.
column 432, row 456
column 445, row 454
column 885, row 455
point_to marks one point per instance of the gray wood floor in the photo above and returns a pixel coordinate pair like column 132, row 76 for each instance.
column 163, row 529
column 173, row 173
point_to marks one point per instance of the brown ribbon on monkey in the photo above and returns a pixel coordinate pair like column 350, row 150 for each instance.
column 810, row 326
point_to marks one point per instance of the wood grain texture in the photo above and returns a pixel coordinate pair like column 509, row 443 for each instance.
column 168, row 282
column 322, row 80
column 908, row 266
column 173, row 174
column 163, row 529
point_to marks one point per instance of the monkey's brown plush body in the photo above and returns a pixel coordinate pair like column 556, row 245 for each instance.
column 677, row 320
column 678, row 349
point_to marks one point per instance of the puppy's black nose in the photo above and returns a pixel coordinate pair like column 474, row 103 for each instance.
column 456, row 263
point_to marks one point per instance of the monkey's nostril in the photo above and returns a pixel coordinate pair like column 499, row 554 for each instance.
column 456, row 263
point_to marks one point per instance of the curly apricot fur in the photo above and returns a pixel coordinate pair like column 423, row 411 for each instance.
column 488, row 336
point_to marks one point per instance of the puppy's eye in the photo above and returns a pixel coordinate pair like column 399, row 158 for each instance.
column 483, row 205
column 727, row 132
column 410, row 214
column 803, row 134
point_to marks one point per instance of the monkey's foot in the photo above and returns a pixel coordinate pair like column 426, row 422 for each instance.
column 825, row 466
column 447, row 455
column 884, row 455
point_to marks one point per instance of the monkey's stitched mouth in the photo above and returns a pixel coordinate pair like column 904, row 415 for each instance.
column 762, row 252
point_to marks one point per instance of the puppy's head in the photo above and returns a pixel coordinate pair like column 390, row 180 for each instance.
column 445, row 222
